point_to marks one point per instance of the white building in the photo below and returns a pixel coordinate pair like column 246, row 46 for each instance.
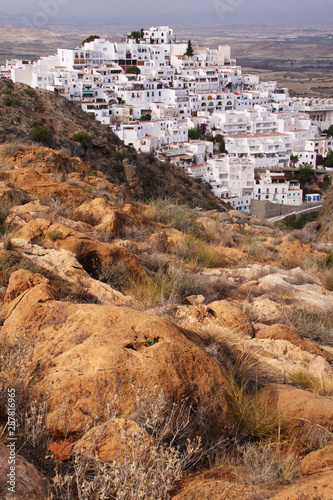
column 274, row 188
column 159, row 35
column 268, row 150
column 230, row 178
column 186, row 154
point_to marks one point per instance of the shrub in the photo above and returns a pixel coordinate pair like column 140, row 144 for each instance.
column 42, row 135
column 84, row 139
column 29, row 92
column 147, row 468
column 268, row 465
column 7, row 101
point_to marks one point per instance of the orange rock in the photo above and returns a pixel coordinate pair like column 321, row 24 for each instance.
column 320, row 460
column 111, row 440
column 218, row 483
column 88, row 251
column 231, row 316
column 299, row 404
column 86, row 354
column 283, row 332
column 61, row 451
column 20, row 281
column 315, row 487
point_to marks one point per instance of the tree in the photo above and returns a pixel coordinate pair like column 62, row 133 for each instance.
column 136, row 35
column 219, row 139
column 329, row 160
column 293, row 160
column 306, row 173
column 194, row 133
column 133, row 70
column 90, row 38
column 189, row 51
column 329, row 131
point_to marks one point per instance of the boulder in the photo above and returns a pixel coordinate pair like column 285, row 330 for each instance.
column 30, row 483
column 112, row 440
column 320, row 460
column 20, row 281
column 283, row 332
column 301, row 405
column 85, row 355
column 231, row 316
column 89, row 252
column 62, row 264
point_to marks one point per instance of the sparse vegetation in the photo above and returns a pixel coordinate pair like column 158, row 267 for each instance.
column 268, row 464
column 199, row 254
column 312, row 324
column 172, row 213
column 306, row 380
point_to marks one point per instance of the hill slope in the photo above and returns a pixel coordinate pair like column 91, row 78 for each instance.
column 22, row 109
column 157, row 338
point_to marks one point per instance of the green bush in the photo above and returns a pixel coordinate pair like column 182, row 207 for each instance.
column 42, row 135
column 29, row 92
column 84, row 139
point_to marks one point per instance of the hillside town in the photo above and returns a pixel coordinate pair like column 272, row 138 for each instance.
column 192, row 106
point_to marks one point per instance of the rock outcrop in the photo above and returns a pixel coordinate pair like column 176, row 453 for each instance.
column 85, row 355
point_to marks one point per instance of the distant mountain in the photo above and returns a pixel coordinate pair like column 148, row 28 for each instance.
column 214, row 17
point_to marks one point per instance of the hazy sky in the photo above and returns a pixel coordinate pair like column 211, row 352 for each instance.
column 113, row 8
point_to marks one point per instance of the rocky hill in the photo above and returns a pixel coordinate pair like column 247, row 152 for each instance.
column 42, row 117
column 156, row 350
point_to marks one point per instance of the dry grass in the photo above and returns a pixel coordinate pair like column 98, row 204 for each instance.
column 163, row 288
column 327, row 279
column 172, row 213
column 253, row 406
column 198, row 254
column 312, row 324
column 306, row 380
column 267, row 464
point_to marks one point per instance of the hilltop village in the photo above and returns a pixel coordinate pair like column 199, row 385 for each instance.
column 194, row 107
